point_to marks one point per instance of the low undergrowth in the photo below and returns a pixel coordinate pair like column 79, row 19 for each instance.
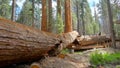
column 106, row 58
column 65, row 51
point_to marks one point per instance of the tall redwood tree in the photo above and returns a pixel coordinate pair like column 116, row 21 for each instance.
column 68, row 18
column 44, row 16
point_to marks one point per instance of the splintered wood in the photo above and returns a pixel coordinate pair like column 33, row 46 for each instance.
column 68, row 38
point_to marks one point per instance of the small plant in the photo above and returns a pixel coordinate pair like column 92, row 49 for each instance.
column 106, row 58
column 65, row 51
column 96, row 58
column 118, row 66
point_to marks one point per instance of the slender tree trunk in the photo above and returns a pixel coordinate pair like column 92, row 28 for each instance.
column 96, row 20
column 95, row 15
column 13, row 10
column 68, row 20
column 59, row 29
column 83, row 23
column 50, row 15
column 44, row 16
column 33, row 6
column 77, row 13
column 111, row 24
column 59, row 8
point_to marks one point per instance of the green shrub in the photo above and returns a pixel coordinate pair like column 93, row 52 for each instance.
column 118, row 66
column 101, row 59
column 96, row 58
column 65, row 51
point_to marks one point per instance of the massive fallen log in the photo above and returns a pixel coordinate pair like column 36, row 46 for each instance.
column 20, row 43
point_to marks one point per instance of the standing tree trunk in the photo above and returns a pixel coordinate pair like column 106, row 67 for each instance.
column 33, row 6
column 111, row 24
column 68, row 20
column 13, row 10
column 95, row 15
column 77, row 13
column 50, row 15
column 59, row 8
column 59, row 24
column 44, row 16
column 83, row 23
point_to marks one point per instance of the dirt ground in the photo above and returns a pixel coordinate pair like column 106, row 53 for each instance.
column 76, row 60
column 79, row 60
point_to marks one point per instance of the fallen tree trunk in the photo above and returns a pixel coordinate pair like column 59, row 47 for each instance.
column 91, row 40
column 20, row 43
column 86, row 41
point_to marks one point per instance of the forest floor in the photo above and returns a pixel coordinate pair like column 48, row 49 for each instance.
column 76, row 60
column 81, row 60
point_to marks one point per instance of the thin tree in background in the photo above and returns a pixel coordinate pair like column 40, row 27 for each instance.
column 59, row 8
column 96, row 21
column 25, row 16
column 44, row 16
column 59, row 25
column 68, row 20
column 82, row 16
column 33, row 6
column 50, row 15
column 95, row 15
column 111, row 24
column 13, row 10
column 103, row 11
column 77, row 13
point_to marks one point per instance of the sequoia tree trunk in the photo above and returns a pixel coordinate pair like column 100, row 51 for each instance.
column 20, row 43
column 44, row 16
column 68, row 20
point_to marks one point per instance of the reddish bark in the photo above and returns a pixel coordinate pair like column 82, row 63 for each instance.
column 20, row 43
column 68, row 20
column 44, row 16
